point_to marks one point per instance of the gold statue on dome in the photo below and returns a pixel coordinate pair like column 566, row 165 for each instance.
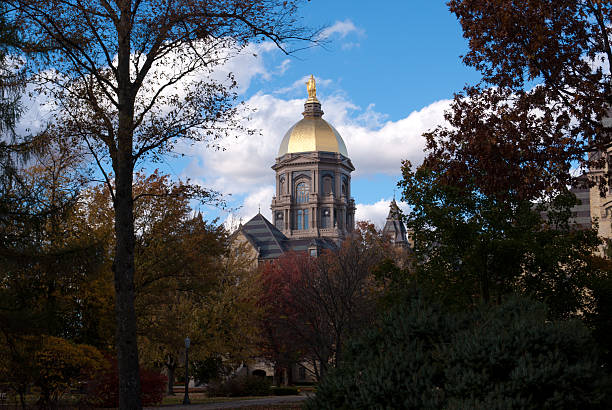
column 311, row 86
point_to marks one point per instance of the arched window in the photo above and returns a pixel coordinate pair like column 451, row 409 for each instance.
column 301, row 192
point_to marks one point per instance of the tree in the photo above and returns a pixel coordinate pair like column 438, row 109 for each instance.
column 115, row 66
column 420, row 356
column 473, row 246
column 12, row 82
column 505, row 154
column 186, row 282
column 312, row 305
column 552, row 59
column 51, row 265
column 60, row 364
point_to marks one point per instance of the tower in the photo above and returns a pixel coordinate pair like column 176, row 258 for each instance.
column 394, row 227
column 313, row 178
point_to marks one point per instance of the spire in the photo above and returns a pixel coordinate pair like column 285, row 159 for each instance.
column 394, row 227
column 312, row 107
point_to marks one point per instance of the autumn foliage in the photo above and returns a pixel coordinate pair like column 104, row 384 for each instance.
column 312, row 305
column 53, row 365
column 104, row 390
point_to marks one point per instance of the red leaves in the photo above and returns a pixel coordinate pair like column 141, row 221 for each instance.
column 104, row 390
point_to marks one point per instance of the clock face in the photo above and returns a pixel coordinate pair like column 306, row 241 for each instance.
column 279, row 215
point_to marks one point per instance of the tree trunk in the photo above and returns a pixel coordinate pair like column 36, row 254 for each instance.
column 171, row 369
column 290, row 374
column 123, row 266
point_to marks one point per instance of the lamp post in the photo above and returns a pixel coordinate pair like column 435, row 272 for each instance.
column 186, row 398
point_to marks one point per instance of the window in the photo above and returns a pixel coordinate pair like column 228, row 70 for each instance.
column 302, row 219
column 281, row 188
column 279, row 221
column 302, row 192
column 327, row 185
column 313, row 253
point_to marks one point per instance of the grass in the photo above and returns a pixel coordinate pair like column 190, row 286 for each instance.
column 285, row 406
column 201, row 398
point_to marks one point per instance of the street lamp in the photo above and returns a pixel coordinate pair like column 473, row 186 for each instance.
column 186, row 398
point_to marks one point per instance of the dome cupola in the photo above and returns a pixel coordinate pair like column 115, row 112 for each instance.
column 312, row 133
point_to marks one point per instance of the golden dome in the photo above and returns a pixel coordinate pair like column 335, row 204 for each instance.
column 312, row 133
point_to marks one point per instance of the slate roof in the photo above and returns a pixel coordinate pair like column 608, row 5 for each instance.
column 269, row 241
column 272, row 243
column 302, row 245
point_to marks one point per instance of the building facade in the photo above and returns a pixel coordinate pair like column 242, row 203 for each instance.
column 313, row 178
column 312, row 208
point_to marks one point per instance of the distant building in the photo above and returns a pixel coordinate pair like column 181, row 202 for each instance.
column 394, row 227
column 312, row 209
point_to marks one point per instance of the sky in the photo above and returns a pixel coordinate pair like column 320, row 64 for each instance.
column 385, row 76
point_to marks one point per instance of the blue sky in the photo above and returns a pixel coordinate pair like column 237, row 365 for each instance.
column 385, row 76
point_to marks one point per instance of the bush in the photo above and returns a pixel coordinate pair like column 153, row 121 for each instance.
column 509, row 356
column 61, row 365
column 104, row 391
column 240, row 386
column 285, row 391
column 209, row 369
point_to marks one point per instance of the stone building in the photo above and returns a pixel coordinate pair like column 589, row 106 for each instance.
column 312, row 209
column 394, row 227
column 599, row 207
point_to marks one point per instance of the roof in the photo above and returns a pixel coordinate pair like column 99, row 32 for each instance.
column 301, row 245
column 269, row 241
column 394, row 227
column 312, row 134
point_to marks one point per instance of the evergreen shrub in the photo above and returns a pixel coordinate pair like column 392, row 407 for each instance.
column 503, row 357
column 240, row 386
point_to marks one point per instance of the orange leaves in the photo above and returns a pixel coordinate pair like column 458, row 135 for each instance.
column 61, row 365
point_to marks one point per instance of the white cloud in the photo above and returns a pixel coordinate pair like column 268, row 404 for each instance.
column 341, row 28
column 248, row 64
column 258, row 201
column 381, row 150
column 300, row 85
column 350, row 46
column 375, row 144
column 245, row 163
column 377, row 212
column 38, row 112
